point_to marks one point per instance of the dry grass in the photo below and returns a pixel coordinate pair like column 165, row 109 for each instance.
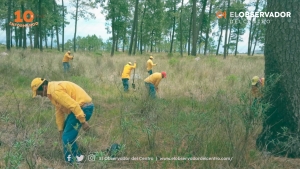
column 195, row 117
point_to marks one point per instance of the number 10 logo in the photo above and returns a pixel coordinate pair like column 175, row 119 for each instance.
column 27, row 12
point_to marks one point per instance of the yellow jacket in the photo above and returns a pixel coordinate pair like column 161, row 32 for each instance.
column 127, row 70
column 67, row 57
column 256, row 90
column 155, row 78
column 150, row 64
column 67, row 97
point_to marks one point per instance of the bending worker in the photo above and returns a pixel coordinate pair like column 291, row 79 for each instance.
column 152, row 82
column 150, row 65
column 66, row 60
column 256, row 84
column 126, row 74
column 68, row 98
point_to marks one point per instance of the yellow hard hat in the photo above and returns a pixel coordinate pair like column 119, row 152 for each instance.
column 129, row 63
column 35, row 84
column 151, row 57
column 69, row 51
column 254, row 80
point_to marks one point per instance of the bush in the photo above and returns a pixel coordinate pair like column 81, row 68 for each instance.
column 173, row 61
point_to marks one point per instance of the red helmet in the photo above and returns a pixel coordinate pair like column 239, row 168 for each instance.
column 164, row 74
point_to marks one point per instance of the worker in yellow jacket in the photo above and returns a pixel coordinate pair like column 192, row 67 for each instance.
column 256, row 84
column 152, row 82
column 66, row 60
column 68, row 98
column 126, row 74
column 150, row 65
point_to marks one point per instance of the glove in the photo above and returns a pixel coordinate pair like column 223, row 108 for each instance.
column 85, row 126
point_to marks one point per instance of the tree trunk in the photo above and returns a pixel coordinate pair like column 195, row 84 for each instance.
column 36, row 37
column 195, row 30
column 16, row 37
column 20, row 32
column 226, row 33
column 208, row 29
column 76, row 18
column 253, row 33
column 141, row 31
column 229, row 39
column 40, row 25
column 173, row 29
column 16, row 29
column 117, row 38
column 200, row 31
column 220, row 38
column 24, row 29
column 133, row 27
column 151, row 43
column 256, row 38
column 281, row 125
column 11, row 37
column 136, row 35
column 56, row 27
column 36, row 30
column 46, row 44
column 190, row 32
column 180, row 29
column 63, row 27
column 237, row 40
column 24, row 38
column 113, row 34
column 250, row 29
column 30, row 37
column 123, row 46
column 8, row 27
column 52, row 34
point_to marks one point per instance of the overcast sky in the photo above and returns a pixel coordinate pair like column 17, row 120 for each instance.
column 97, row 27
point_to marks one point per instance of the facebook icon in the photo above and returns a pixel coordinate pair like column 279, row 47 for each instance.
column 69, row 157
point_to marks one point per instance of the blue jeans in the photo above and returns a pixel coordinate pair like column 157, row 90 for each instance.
column 150, row 72
column 70, row 132
column 125, row 84
column 66, row 66
column 151, row 90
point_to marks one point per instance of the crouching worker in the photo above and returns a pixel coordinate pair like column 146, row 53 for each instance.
column 152, row 82
column 256, row 86
column 68, row 98
column 256, row 106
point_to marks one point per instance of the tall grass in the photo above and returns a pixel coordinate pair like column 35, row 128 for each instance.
column 201, row 111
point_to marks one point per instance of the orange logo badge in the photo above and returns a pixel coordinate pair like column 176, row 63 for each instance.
column 221, row 14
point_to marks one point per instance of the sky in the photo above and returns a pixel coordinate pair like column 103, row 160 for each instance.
column 97, row 27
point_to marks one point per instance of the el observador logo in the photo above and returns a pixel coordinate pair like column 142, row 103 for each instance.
column 281, row 14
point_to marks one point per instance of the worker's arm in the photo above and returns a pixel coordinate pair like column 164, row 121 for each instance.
column 157, row 83
column 152, row 64
column 60, row 118
column 69, row 56
column 134, row 66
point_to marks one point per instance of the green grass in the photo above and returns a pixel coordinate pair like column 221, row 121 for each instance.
column 199, row 112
